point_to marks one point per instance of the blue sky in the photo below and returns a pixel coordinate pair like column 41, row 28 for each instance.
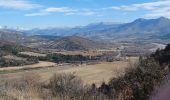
column 67, row 13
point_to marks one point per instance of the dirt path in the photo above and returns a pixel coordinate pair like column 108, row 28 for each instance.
column 40, row 64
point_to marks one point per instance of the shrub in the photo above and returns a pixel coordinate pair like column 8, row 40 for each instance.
column 139, row 83
column 67, row 87
column 70, row 87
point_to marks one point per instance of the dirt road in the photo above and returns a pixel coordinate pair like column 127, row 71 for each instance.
column 40, row 64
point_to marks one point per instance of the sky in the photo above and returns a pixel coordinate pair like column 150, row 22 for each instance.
column 69, row 13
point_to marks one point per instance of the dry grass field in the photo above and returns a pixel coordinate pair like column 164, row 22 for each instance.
column 37, row 65
column 88, row 73
column 99, row 72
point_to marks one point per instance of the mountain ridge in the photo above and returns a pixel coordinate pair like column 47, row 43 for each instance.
column 154, row 27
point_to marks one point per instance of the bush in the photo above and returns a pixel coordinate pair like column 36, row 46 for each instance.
column 162, row 56
column 59, row 87
column 139, row 83
column 66, row 87
column 67, row 58
column 12, row 62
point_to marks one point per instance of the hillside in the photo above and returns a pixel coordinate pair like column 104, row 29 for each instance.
column 10, row 47
column 72, row 43
column 9, row 54
column 10, row 35
column 18, row 37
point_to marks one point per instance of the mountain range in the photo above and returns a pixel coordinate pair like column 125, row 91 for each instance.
column 91, row 36
column 146, row 28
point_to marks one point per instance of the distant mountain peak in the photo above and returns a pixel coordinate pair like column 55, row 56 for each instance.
column 159, row 19
column 164, row 18
column 140, row 19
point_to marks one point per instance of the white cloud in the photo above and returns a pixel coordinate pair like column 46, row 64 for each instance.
column 18, row 4
column 62, row 9
column 165, row 14
column 65, row 10
column 50, row 10
column 70, row 13
column 87, row 13
column 90, row 13
column 37, row 14
column 153, row 9
column 145, row 6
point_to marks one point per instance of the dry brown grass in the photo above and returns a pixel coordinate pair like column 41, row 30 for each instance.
column 59, row 87
column 27, row 85
column 37, row 65
column 99, row 72
column 88, row 73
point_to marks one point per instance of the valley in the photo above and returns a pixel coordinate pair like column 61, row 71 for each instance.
column 29, row 50
column 99, row 61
